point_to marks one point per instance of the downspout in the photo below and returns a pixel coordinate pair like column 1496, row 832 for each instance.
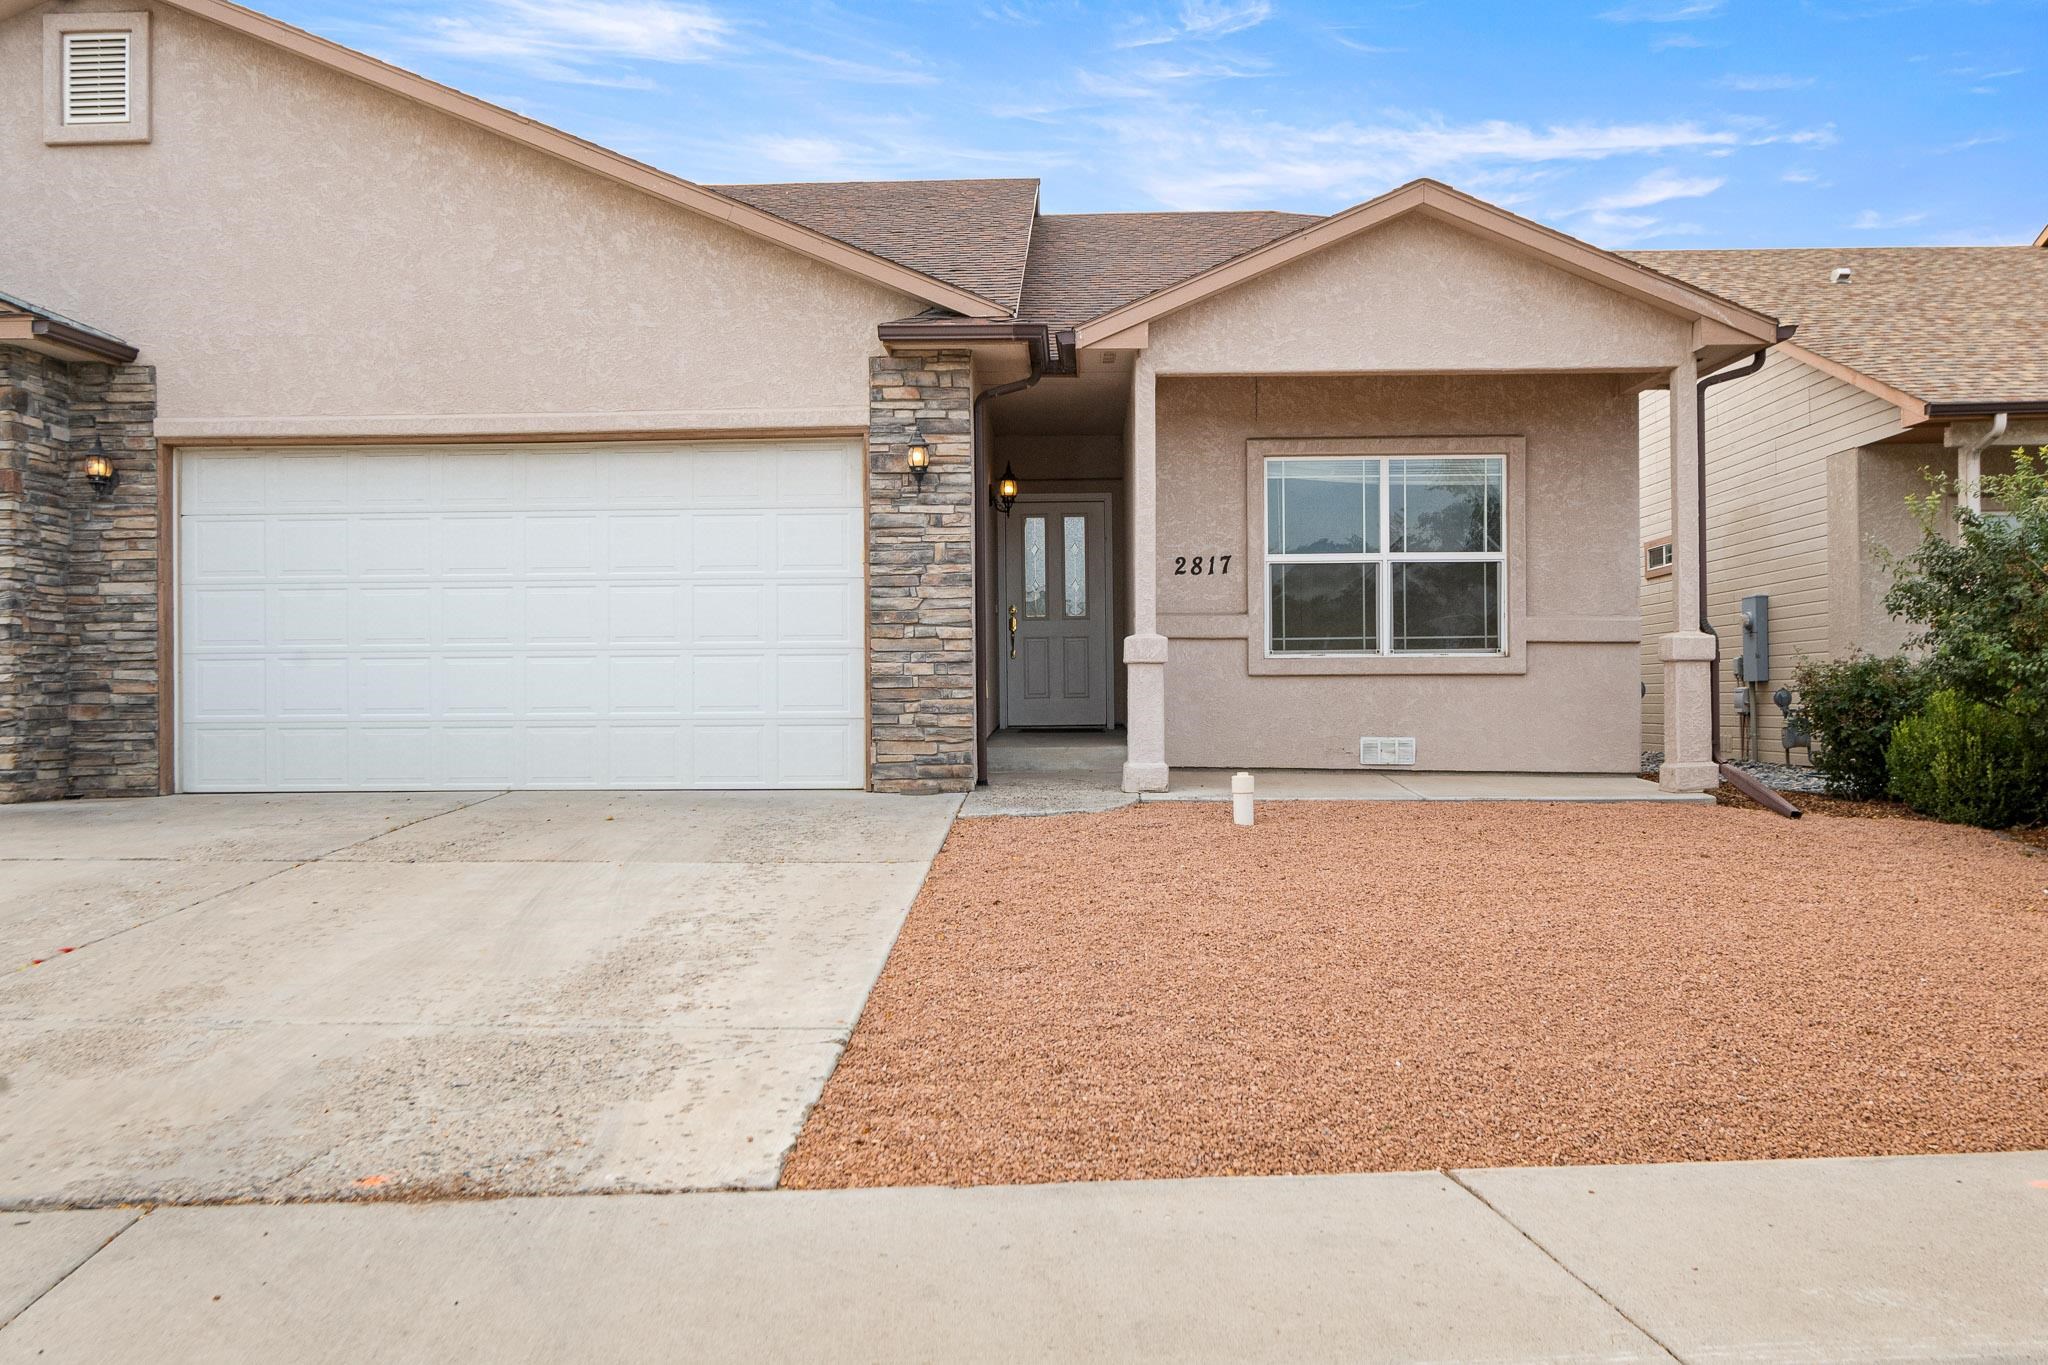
column 1735, row 777
column 984, row 654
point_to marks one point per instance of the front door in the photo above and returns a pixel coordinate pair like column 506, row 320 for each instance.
column 1054, row 616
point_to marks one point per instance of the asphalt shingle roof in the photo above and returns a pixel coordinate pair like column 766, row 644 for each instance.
column 1947, row 324
column 1085, row 264
column 971, row 234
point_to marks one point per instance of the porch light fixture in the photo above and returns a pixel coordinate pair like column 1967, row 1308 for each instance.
column 1002, row 495
column 100, row 471
column 918, row 459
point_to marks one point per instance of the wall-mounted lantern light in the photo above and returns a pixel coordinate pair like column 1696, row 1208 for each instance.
column 1002, row 495
column 100, row 471
column 918, row 459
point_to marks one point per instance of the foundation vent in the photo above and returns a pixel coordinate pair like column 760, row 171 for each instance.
column 1387, row 752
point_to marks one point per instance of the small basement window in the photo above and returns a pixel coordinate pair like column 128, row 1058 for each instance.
column 1657, row 558
column 95, row 78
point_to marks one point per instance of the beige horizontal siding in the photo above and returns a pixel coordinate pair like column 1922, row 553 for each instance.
column 1769, row 439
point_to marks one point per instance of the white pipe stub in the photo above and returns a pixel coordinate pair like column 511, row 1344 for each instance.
column 1241, row 798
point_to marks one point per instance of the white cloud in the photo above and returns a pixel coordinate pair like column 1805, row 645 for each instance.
column 1199, row 19
column 1664, row 14
column 1687, row 40
column 567, row 39
column 1215, row 18
column 1758, row 84
column 1796, row 176
column 1656, row 188
column 1188, row 157
column 1870, row 220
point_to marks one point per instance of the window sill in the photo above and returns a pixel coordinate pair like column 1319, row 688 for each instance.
column 1381, row 665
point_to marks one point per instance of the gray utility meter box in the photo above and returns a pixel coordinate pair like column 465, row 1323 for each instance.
column 1755, row 663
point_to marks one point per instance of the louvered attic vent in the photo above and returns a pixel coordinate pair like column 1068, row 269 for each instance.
column 96, row 77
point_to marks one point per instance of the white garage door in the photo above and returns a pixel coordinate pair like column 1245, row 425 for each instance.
column 681, row 615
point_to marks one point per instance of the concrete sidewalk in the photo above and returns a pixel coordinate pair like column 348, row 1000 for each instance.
column 1925, row 1258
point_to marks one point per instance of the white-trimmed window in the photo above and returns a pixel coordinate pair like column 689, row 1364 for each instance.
column 1657, row 557
column 1386, row 555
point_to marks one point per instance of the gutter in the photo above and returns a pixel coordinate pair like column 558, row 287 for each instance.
column 1733, row 776
column 2031, row 407
column 1052, row 352
column 1970, row 464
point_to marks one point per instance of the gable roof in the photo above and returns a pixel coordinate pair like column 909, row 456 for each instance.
column 973, row 234
column 748, row 218
column 1743, row 325
column 1943, row 324
column 1086, row 264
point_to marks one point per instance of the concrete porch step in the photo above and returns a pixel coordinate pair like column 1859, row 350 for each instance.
column 1056, row 751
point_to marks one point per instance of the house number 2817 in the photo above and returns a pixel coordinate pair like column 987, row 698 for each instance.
column 1197, row 565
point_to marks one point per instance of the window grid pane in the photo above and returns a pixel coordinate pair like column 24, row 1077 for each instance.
column 1444, row 506
column 1446, row 607
column 1034, row 567
column 1324, row 608
column 1074, row 550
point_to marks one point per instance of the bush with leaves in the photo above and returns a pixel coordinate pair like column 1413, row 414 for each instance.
column 1979, row 598
column 1851, row 707
column 1969, row 763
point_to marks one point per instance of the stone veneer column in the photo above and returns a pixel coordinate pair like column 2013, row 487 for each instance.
column 78, row 581
column 35, row 542
column 112, row 589
column 921, row 693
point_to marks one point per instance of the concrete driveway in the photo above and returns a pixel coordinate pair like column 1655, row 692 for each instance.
column 292, row 997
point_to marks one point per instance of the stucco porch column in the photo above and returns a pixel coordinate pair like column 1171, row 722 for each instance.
column 1145, row 649
column 1688, row 652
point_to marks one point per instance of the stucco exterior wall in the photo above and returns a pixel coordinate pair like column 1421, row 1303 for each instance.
column 1564, row 700
column 1782, row 465
column 1415, row 295
column 298, row 253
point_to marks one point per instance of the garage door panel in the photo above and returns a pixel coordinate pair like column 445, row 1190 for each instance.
column 480, row 546
column 310, row 689
column 227, row 549
column 815, row 543
column 480, row 618
column 306, row 548
column 394, row 687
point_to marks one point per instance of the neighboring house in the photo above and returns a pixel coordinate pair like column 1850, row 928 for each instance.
column 1908, row 361
column 456, row 452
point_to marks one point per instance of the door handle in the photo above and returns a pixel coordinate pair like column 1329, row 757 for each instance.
column 1013, row 630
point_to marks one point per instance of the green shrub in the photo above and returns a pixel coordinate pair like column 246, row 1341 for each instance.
column 1977, row 590
column 1970, row 764
column 1850, row 707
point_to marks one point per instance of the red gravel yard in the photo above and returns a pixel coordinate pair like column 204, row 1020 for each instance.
column 1153, row 992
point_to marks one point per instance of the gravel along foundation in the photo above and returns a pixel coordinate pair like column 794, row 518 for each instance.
column 1153, row 992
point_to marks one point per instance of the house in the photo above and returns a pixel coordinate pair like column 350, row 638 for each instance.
column 1908, row 362
column 446, row 450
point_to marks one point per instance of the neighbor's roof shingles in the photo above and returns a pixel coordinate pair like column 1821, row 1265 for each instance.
column 1085, row 264
column 971, row 234
column 1949, row 324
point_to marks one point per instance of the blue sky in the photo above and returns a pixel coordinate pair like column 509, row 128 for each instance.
column 1667, row 123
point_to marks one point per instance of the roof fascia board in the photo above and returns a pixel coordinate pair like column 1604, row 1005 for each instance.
column 1484, row 220
column 588, row 155
column 62, row 341
column 1912, row 411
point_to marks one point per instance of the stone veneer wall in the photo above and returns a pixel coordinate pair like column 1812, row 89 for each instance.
column 78, row 581
column 921, row 574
